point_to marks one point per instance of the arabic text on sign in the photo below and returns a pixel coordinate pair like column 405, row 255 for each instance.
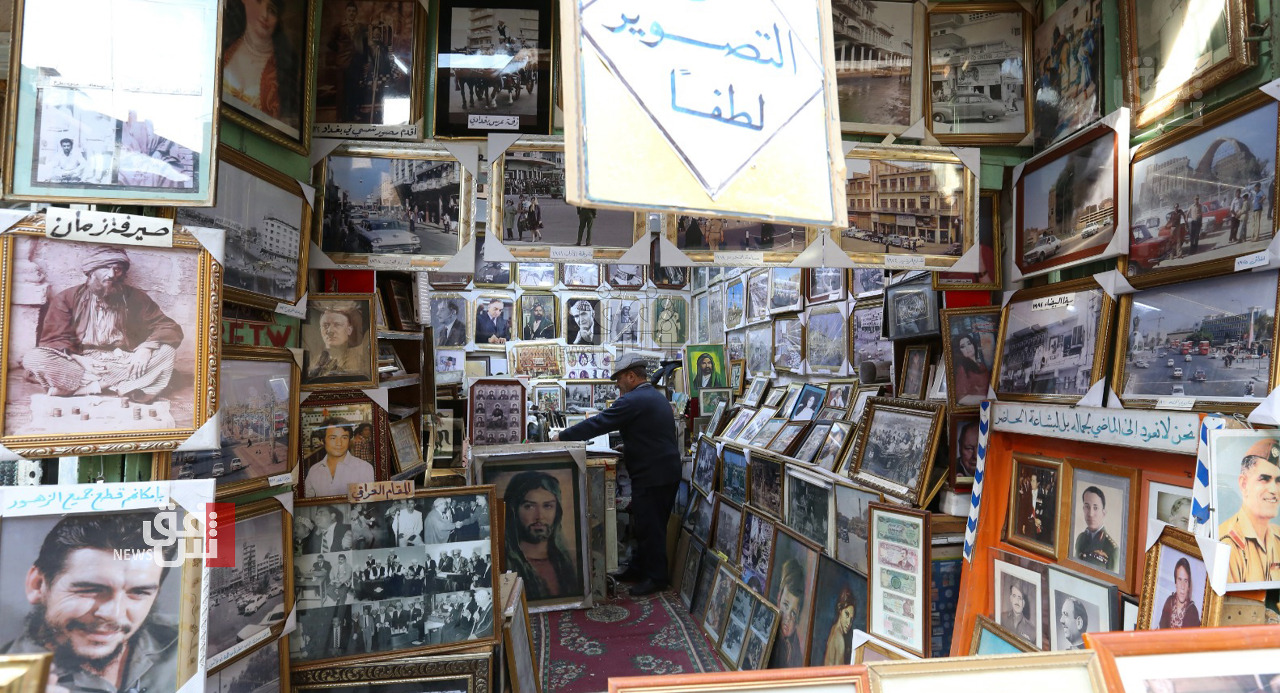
column 105, row 227
column 1053, row 302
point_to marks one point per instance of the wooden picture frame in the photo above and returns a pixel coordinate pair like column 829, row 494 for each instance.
column 1002, row 641
column 348, row 363
column 913, row 378
column 872, row 471
column 898, row 549
column 1180, row 547
column 496, row 392
column 1031, row 522
column 1093, row 555
column 1077, row 670
column 352, row 411
column 969, row 376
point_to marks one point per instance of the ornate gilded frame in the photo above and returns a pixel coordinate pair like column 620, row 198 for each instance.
column 1185, row 542
column 306, row 98
column 914, row 493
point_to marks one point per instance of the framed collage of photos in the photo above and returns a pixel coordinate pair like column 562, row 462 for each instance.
column 63, row 391
column 899, row 575
column 344, row 440
column 497, row 411
column 278, row 109
column 423, row 213
column 420, row 576
column 93, row 134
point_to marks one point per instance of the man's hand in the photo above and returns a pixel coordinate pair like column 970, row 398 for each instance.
column 138, row 361
column 555, row 437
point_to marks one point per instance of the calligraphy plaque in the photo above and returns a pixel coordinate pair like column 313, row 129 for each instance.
column 703, row 105
column 107, row 227
column 1149, row 430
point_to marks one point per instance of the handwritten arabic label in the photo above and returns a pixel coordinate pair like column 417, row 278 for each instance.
column 366, row 131
column 1149, row 430
column 370, row 491
column 1245, row 262
column 390, row 262
column 573, row 254
column 739, row 258
column 242, row 646
column 105, row 227
column 493, row 122
column 20, row 501
column 904, row 261
column 1054, row 302
column 1178, row 403
column 280, row 479
column 719, row 78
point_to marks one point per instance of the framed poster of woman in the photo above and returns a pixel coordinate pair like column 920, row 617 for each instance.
column 268, row 68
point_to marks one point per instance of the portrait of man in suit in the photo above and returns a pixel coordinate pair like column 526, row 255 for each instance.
column 493, row 326
column 331, row 532
column 450, row 330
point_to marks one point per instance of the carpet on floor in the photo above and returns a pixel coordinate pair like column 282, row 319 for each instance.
column 579, row 651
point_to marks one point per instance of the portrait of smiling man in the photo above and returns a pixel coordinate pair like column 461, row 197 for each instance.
column 105, row 619
column 1254, row 540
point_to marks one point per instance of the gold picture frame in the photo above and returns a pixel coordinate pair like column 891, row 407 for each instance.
column 989, row 234
column 916, row 486
column 475, row 665
column 1023, row 516
column 24, row 673
column 1183, row 542
column 306, row 68
column 984, row 624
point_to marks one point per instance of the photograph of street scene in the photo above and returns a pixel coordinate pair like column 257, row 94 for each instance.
column 1067, row 205
column 385, row 206
column 534, row 211
column 1210, row 338
column 1207, row 197
column 874, row 44
column 1050, row 343
column 250, row 596
column 254, row 405
column 976, row 79
column 706, row 233
column 490, row 66
column 911, row 207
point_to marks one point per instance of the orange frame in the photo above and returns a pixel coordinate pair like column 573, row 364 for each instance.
column 1109, row 646
column 768, row 680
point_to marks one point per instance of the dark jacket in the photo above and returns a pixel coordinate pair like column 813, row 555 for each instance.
column 648, row 428
column 143, row 321
column 487, row 327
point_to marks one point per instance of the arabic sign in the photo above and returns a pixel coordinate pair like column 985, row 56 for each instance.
column 370, row 491
column 1053, row 302
column 710, row 102
column 105, row 227
column 1149, row 430
column 22, row 501
column 366, row 131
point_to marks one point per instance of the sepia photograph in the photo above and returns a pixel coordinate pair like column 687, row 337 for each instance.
column 811, row 506
column 367, row 67
column 628, row 320
column 897, row 442
column 1033, row 504
column 1049, row 343
column 978, row 75
column 337, row 342
column 791, row 583
column 1067, row 55
column 826, row 339
column 706, row 233
column 670, row 321
column 904, row 207
column 839, row 609
column 851, row 525
column 1066, row 202
column 756, row 549
column 875, row 86
column 497, row 412
column 532, row 210
column 276, row 101
column 493, row 69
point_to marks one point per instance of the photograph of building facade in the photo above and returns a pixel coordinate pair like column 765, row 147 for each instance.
column 976, row 81
column 873, row 60
column 910, row 206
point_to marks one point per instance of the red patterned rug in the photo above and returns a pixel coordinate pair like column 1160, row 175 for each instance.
column 578, row 651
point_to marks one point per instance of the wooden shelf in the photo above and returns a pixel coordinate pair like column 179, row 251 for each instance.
column 401, row 381
column 396, row 334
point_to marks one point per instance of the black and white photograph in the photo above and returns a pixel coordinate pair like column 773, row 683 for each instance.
column 583, row 321
column 1017, row 604
column 851, row 525
column 886, row 212
column 715, row 314
column 1216, row 332
column 625, row 276
column 536, row 275
column 757, row 296
column 877, row 90
column 493, row 68
column 1207, row 193
column 717, row 609
column 764, row 475
column 1077, row 606
column 706, row 233
column 786, row 289
column 628, row 320
column 810, row 506
column 866, row 282
column 826, row 284
column 533, row 210
column 497, row 412
column 756, row 549
column 1066, row 202
column 812, row 442
column 539, row 318
column 1169, row 504
column 728, row 524
column 898, row 441
column 1048, row 345
column 385, row 205
column 826, row 339
column 494, row 321
column 788, row 343
column 912, row 309
column 495, row 275
column 450, row 316
column 705, row 465
column 701, row 514
column 830, row 454
column 868, row 346
column 253, row 595
column 1067, row 64
column 733, row 474
column 978, row 74
column 759, row 355
column 337, row 342
column 580, row 275
column 258, row 671
column 367, row 65
column 735, row 626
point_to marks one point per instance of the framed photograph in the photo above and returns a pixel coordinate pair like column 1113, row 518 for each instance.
column 398, row 299
column 734, row 632
column 447, row 281
column 929, row 195
column 718, row 602
column 258, row 392
column 472, row 102
column 1234, row 202
column 786, row 289
column 267, row 665
column 990, row 638
column 851, row 526
column 491, row 275
column 627, row 319
column 738, row 423
column 990, row 275
column 737, row 376
column 706, row 461
column 715, row 314
column 980, row 76
column 405, row 445
column 826, row 339
column 755, row 393
column 460, row 673
column 93, row 134
column 825, row 284
column 787, row 438
column 1245, row 465
column 146, row 381
column 393, row 577
column 56, row 555
column 1079, row 606
column 702, row 590
column 1018, row 600
column 666, row 277
column 495, row 313
column 760, row 349
column 1169, row 503
column 1099, row 519
column 755, row 549
column 813, row 442
column 897, row 446
column 625, row 277
column 496, row 411
column 1067, row 93
column 689, row 579
column 1128, row 612
column 1221, row 362
column 701, row 237
column 1175, row 585
column 874, row 650
column 1075, row 671
column 962, row 446
column 536, row 275
column 258, row 591
column 710, row 398
column 543, row 489
column 1175, row 72
column 539, row 315
column 1034, row 498
column 338, row 344
column 271, row 95
column 832, row 449
column 791, row 585
column 915, row 363
column 969, row 347
column 788, row 344
column 1053, row 342
column 879, row 91
column 1221, row 659
column 758, row 296
column 267, row 222
column 765, row 433
column 372, row 70
column 898, row 572
column 735, row 303
column 700, row 515
column 733, row 473
column 670, row 321
column 1066, row 202
column 705, row 365
column 715, row 422
column 839, row 608
column 911, row 310
column 580, row 275
column 344, row 440
column 451, row 319
column 807, row 403
column 869, row 347
column 764, row 483
column 728, row 525
column 866, row 282
column 548, row 398
column 811, row 506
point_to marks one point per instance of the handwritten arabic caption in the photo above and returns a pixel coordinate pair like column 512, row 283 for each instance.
column 493, row 122
column 20, row 501
column 105, row 227
column 366, row 131
column 573, row 253
column 1054, row 302
column 1148, row 430
column 370, row 491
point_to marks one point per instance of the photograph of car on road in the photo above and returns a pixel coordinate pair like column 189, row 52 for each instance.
column 905, row 206
column 978, row 74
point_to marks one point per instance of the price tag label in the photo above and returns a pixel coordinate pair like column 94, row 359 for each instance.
column 390, row 262
column 281, row 479
column 1178, row 403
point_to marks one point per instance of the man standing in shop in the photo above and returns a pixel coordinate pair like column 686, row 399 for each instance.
column 1254, row 541
column 1094, row 546
column 643, row 416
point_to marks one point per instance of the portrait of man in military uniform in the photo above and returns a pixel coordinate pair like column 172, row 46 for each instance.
column 1100, row 510
column 1250, row 531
